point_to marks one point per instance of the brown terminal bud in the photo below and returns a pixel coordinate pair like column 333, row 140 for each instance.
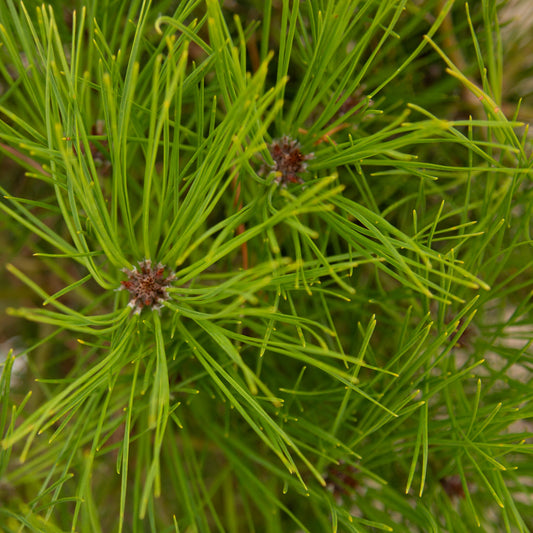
column 147, row 286
column 289, row 161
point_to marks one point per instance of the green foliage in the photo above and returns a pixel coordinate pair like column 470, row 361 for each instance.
column 350, row 353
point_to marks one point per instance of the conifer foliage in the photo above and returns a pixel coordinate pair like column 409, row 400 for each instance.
column 268, row 265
